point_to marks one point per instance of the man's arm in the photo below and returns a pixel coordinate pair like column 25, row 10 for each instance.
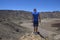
column 40, row 18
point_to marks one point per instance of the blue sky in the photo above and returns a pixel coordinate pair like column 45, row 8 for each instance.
column 29, row 5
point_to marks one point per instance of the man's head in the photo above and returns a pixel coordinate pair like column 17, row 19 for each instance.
column 34, row 10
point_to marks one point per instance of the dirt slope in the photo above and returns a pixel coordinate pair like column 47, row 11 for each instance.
column 44, row 29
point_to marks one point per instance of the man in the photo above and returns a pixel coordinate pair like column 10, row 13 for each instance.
column 35, row 19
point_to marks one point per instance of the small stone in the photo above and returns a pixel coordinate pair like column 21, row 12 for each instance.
column 0, row 38
column 17, row 30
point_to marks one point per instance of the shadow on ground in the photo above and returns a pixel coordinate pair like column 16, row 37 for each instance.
column 40, row 34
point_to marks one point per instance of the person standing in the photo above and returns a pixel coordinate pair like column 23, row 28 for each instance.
column 35, row 19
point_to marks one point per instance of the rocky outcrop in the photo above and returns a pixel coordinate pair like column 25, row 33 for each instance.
column 31, row 36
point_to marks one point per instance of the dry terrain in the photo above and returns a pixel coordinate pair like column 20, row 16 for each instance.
column 14, row 24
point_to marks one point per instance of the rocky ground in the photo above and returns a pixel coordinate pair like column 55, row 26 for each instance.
column 45, row 28
column 11, row 31
column 14, row 30
column 31, row 36
column 15, row 24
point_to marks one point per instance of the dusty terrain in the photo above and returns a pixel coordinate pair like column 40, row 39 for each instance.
column 15, row 24
column 45, row 28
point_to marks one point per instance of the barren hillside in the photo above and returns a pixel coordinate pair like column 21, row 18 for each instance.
column 10, row 20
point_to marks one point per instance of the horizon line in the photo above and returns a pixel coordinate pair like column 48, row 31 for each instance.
column 30, row 11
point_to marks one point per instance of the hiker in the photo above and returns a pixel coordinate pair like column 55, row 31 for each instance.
column 35, row 19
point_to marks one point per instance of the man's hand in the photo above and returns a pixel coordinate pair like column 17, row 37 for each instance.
column 39, row 21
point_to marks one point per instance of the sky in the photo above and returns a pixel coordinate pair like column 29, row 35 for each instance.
column 29, row 5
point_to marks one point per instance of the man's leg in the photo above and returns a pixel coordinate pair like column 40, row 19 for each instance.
column 36, row 29
column 36, row 26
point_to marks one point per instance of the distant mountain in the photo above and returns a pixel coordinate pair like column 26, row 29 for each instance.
column 54, row 14
column 14, row 15
column 25, row 15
